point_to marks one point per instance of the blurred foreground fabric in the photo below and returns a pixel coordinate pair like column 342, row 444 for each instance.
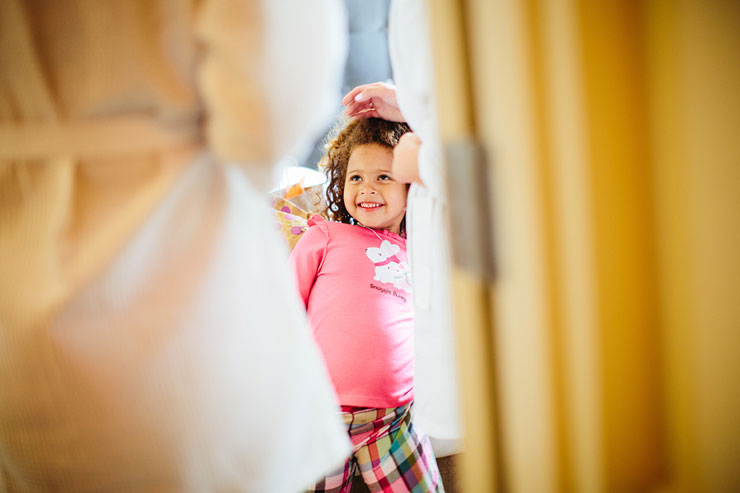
column 150, row 335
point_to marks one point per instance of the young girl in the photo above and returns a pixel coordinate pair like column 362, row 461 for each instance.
column 353, row 277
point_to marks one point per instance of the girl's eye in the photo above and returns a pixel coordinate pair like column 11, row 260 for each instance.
column 354, row 178
column 384, row 177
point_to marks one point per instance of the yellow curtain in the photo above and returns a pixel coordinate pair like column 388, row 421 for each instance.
column 603, row 354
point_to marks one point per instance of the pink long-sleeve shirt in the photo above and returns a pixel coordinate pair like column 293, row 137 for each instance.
column 355, row 284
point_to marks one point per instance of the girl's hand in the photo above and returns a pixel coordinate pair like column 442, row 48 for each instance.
column 405, row 166
column 376, row 100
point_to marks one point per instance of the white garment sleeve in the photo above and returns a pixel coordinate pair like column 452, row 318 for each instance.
column 435, row 381
column 413, row 73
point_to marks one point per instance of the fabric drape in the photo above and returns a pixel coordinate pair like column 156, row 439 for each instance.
column 150, row 335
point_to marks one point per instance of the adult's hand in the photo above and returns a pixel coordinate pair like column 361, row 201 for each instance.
column 376, row 100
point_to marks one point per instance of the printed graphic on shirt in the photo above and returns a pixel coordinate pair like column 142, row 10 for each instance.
column 386, row 270
column 391, row 292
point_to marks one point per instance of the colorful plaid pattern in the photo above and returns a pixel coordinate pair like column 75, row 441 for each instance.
column 390, row 454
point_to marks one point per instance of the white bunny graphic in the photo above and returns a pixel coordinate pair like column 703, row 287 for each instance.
column 391, row 272
column 386, row 251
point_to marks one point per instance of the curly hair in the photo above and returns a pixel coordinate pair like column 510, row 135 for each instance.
column 349, row 135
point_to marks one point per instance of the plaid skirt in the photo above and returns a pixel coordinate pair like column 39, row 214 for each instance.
column 390, row 454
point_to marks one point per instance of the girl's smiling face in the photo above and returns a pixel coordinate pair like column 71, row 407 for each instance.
column 371, row 195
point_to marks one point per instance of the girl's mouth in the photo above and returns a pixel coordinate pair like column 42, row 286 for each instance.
column 369, row 205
